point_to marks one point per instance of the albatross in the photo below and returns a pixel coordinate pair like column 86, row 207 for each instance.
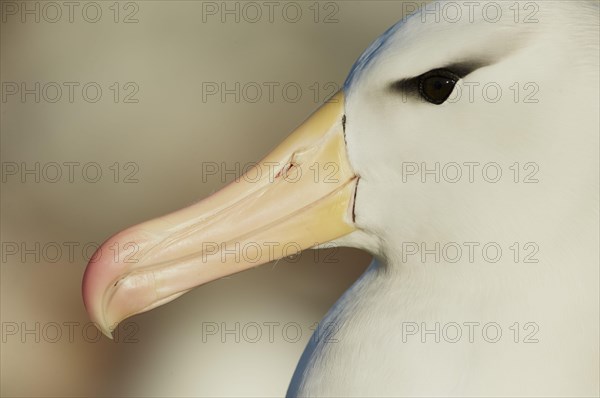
column 462, row 153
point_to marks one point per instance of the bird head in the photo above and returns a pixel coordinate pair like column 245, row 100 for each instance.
column 411, row 146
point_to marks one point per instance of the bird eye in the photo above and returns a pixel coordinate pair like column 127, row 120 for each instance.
column 437, row 85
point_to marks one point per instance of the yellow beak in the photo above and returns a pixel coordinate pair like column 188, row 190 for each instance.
column 299, row 196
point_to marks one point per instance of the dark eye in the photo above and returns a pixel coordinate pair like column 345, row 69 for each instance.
column 437, row 85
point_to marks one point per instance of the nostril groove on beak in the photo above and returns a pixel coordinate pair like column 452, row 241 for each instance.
column 117, row 281
column 286, row 169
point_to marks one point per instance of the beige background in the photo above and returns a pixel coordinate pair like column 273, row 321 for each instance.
column 167, row 54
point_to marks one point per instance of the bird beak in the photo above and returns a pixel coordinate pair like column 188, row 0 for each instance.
column 299, row 196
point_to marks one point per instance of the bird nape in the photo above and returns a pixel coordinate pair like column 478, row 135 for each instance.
column 466, row 156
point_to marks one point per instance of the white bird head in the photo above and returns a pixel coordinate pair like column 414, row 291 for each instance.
column 483, row 123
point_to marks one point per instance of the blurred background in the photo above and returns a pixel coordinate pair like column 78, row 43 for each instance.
column 110, row 113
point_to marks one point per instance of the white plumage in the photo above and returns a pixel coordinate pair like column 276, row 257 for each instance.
column 552, row 136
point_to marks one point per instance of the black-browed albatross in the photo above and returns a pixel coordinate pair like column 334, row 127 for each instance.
column 466, row 158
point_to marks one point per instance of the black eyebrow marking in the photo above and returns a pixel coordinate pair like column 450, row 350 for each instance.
column 461, row 69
